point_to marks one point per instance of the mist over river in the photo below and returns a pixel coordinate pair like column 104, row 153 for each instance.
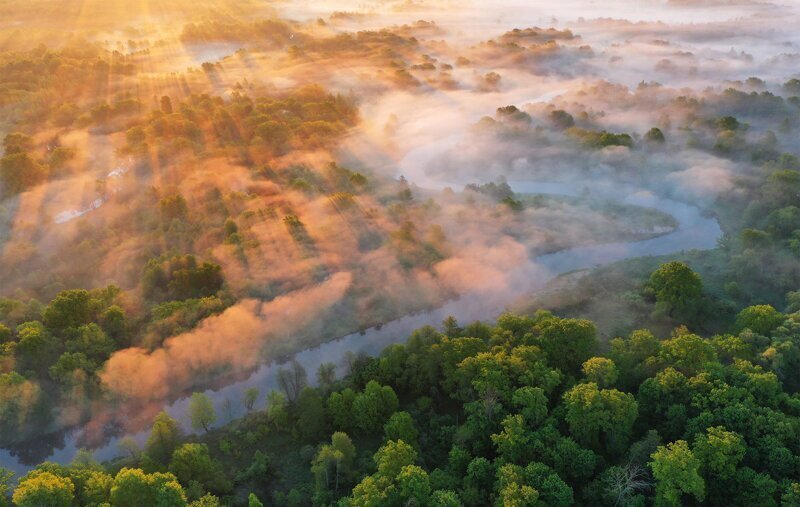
column 694, row 231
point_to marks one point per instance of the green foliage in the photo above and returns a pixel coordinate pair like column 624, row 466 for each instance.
column 400, row 426
column 310, row 415
column 677, row 472
column 164, row 438
column 687, row 352
column 720, row 452
column 133, row 488
column 201, row 411
column 654, row 135
column 531, row 403
column 192, row 464
column 479, row 416
column 373, row 407
column 250, row 398
column 44, row 488
column 600, row 370
column 600, row 139
column 727, row 123
column 397, row 479
column 566, row 342
column 678, row 288
column 761, row 319
column 20, row 172
column 19, row 402
column 6, row 488
column 561, row 119
column 593, row 413
column 180, row 278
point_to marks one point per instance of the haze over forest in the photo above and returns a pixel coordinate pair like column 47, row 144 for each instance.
column 399, row 252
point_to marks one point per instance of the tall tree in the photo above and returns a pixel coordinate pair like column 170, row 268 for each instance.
column 39, row 489
column 250, row 397
column 677, row 288
column 134, row 488
column 292, row 380
column 677, row 472
column 164, row 437
column 201, row 411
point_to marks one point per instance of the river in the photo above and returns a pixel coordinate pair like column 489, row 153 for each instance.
column 694, row 231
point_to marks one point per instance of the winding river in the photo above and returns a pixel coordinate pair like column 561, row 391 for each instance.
column 695, row 231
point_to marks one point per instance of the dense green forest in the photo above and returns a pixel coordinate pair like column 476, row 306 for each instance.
column 200, row 197
column 530, row 411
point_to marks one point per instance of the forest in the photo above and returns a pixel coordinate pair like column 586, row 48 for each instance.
column 399, row 253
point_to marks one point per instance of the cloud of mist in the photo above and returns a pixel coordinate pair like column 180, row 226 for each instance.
column 229, row 341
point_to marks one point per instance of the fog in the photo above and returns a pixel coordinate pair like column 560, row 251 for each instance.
column 418, row 108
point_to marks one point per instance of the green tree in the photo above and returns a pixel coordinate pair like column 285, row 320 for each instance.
column 333, row 463
column 134, row 488
column 633, row 357
column 292, row 380
column 687, row 353
column 173, row 207
column 326, row 376
column 20, row 404
column 36, row 348
column 450, row 327
column 207, row 500
column 761, row 319
column 413, row 485
column 531, row 403
column 514, row 441
column 719, row 452
column 566, row 342
column 192, row 463
column 400, row 426
column 655, row 136
column 91, row 340
column 20, row 172
column 791, row 495
column 600, row 370
column 512, row 490
column 96, row 487
column 374, row 406
column 340, row 409
column 5, row 486
column 278, row 410
column 677, row 472
column 727, row 123
column 677, row 288
column 444, row 498
column 250, row 397
column 165, row 436
column 592, row 412
column 310, row 414
column 382, row 487
column 17, row 142
column 72, row 368
column 561, row 119
column 70, row 308
column 393, row 456
column 553, row 491
column 114, row 323
column 201, row 411
column 39, row 489
column 253, row 501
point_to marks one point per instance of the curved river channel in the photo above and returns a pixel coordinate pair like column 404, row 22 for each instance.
column 694, row 231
